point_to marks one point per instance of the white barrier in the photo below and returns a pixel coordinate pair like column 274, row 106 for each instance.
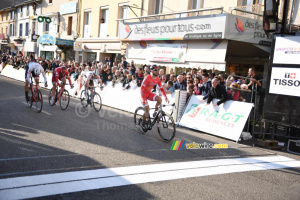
column 226, row 120
column 116, row 97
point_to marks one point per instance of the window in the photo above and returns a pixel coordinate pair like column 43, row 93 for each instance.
column 158, row 6
column 87, row 22
column 27, row 10
column 124, row 11
column 47, row 27
column 26, row 28
column 103, row 28
column 50, row 1
column 70, row 25
column 12, row 15
column 21, row 30
column 11, row 29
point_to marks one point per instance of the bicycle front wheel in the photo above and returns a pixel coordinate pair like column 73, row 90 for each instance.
column 84, row 96
column 64, row 100
column 97, row 102
column 166, row 127
column 38, row 101
column 138, row 119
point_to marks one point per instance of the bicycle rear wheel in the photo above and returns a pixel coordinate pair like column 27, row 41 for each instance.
column 97, row 102
column 29, row 103
column 166, row 126
column 84, row 96
column 64, row 100
column 138, row 119
column 38, row 101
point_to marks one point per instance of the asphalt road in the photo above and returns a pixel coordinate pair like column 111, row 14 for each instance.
column 75, row 140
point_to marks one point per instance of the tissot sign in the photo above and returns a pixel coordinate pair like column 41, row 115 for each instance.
column 175, row 29
column 285, row 81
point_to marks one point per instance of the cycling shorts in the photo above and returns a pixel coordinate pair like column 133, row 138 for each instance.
column 145, row 96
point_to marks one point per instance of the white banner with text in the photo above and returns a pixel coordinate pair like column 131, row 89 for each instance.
column 226, row 120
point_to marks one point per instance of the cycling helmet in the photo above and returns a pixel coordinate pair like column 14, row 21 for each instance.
column 38, row 70
column 153, row 67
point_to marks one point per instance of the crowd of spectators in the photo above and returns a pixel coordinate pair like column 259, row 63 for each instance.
column 196, row 81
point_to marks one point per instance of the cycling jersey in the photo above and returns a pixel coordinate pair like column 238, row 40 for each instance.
column 90, row 76
column 30, row 71
column 148, row 83
column 59, row 73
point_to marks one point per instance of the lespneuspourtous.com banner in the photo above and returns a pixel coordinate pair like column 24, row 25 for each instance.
column 226, row 120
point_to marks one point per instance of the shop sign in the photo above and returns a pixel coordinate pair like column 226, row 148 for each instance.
column 167, row 52
column 68, row 8
column 287, row 50
column 246, row 30
column 59, row 41
column 77, row 46
column 46, row 39
column 285, row 81
column 176, row 29
column 226, row 120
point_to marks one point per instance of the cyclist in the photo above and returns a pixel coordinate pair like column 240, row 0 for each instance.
column 148, row 83
column 60, row 73
column 34, row 69
column 88, row 79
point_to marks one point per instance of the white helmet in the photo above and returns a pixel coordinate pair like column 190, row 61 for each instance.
column 38, row 70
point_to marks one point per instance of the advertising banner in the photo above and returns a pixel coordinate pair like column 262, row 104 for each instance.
column 287, row 50
column 204, row 27
column 246, row 30
column 285, row 81
column 226, row 120
column 167, row 52
column 68, row 8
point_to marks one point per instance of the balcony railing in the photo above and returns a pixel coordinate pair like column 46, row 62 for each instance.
column 254, row 11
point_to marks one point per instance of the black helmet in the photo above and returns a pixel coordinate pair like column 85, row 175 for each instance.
column 153, row 67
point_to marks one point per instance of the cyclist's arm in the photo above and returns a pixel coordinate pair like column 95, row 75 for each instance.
column 68, row 77
column 162, row 90
column 44, row 75
column 144, row 83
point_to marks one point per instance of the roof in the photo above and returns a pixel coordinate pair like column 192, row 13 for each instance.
column 10, row 3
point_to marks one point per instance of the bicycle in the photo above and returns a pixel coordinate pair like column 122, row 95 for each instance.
column 164, row 122
column 62, row 95
column 35, row 96
column 93, row 99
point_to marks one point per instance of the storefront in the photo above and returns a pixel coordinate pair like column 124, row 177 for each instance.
column 204, row 41
column 66, row 46
column 47, row 47
column 93, row 49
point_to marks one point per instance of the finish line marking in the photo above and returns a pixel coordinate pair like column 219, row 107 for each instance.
column 42, row 110
column 61, row 183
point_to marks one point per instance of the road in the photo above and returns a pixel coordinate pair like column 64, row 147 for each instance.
column 76, row 154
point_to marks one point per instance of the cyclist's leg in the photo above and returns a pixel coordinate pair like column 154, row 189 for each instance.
column 158, row 102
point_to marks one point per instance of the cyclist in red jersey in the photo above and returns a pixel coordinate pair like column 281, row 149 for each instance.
column 60, row 73
column 147, row 85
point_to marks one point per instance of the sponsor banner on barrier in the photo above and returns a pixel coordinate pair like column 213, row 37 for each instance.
column 226, row 120
column 285, row 81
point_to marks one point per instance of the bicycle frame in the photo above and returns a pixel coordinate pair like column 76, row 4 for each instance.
column 158, row 113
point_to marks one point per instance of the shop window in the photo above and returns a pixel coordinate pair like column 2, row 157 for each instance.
column 70, row 25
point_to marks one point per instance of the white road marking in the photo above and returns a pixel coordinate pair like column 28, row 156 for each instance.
column 59, row 183
column 35, row 108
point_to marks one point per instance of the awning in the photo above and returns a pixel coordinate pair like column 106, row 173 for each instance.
column 63, row 42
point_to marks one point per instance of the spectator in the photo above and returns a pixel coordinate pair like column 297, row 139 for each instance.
column 169, row 75
column 206, row 85
column 125, row 84
column 146, row 70
column 170, row 87
column 232, row 93
column 190, row 88
column 216, row 91
column 197, row 90
column 116, row 78
column 222, row 80
column 124, row 62
column 132, row 69
column 245, row 94
column 180, row 84
column 139, row 77
column 253, row 78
